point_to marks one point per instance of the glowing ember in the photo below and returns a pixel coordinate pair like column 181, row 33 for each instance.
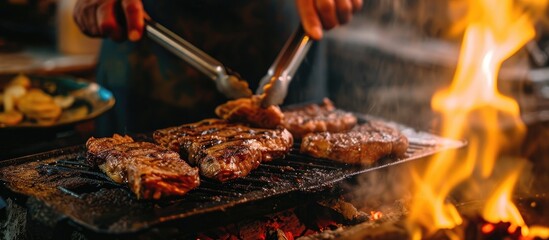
column 495, row 30
column 487, row 228
column 375, row 215
column 289, row 235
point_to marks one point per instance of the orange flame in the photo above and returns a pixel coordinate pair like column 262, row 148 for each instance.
column 536, row 232
column 495, row 30
column 499, row 207
column 497, row 33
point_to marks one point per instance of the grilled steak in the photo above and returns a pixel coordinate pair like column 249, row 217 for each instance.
column 317, row 118
column 151, row 171
column 222, row 150
column 249, row 110
column 364, row 144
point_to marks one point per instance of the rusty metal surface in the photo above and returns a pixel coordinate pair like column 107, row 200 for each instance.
column 91, row 201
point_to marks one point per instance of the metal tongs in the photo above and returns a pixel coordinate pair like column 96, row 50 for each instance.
column 228, row 82
column 275, row 84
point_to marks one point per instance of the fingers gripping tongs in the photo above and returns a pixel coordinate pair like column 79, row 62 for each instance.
column 275, row 84
column 227, row 82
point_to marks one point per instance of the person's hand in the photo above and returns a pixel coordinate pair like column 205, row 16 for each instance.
column 317, row 15
column 118, row 20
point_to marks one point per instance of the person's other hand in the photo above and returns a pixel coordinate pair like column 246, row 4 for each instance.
column 98, row 18
column 317, row 15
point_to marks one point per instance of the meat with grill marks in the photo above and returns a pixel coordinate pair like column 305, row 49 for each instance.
column 317, row 118
column 364, row 144
column 249, row 110
column 151, row 171
column 225, row 151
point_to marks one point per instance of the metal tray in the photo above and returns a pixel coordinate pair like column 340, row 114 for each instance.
column 89, row 200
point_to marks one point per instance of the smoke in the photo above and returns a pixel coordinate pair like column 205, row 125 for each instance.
column 387, row 72
column 438, row 18
column 381, row 189
column 397, row 53
column 398, row 86
column 430, row 17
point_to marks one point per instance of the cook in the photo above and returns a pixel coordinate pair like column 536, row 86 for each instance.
column 154, row 89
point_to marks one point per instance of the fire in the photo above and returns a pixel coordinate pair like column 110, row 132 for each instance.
column 375, row 215
column 495, row 30
column 499, row 207
column 497, row 33
column 537, row 231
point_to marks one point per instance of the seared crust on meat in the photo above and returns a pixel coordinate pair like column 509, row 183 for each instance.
column 317, row 118
column 96, row 146
column 225, row 151
column 151, row 171
column 249, row 110
column 364, row 144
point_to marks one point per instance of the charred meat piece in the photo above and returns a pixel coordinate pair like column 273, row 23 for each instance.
column 96, row 146
column 249, row 110
column 364, row 144
column 317, row 118
column 225, row 151
column 151, row 171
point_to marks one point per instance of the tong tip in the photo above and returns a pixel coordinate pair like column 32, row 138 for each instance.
column 275, row 91
column 234, row 87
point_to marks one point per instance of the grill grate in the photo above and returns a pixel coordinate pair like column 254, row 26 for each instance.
column 89, row 199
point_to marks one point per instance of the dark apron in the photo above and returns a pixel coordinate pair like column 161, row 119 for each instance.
column 155, row 89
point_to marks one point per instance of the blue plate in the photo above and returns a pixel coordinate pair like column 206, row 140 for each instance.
column 91, row 100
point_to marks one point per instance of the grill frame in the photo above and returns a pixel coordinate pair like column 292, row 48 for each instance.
column 89, row 201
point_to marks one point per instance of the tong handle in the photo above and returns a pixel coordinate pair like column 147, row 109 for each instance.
column 185, row 50
column 294, row 53
column 275, row 83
